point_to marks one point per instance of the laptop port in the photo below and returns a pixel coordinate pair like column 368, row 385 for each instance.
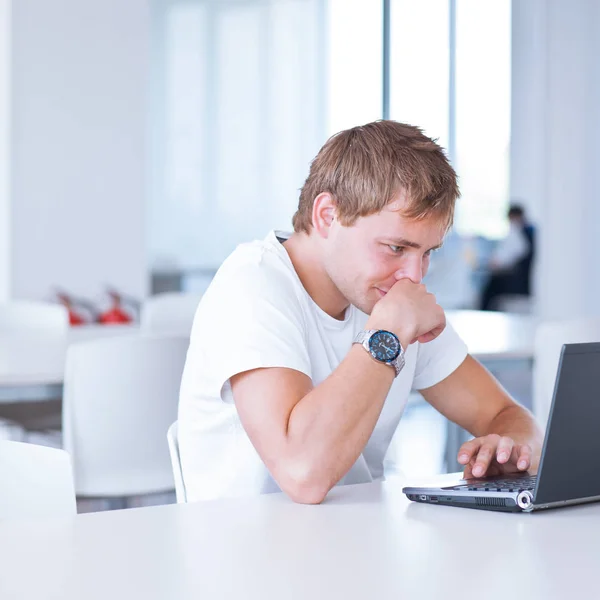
column 423, row 498
column 433, row 499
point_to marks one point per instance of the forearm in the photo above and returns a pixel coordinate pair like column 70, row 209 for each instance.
column 329, row 428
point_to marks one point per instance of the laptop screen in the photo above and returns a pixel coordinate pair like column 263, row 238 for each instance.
column 570, row 465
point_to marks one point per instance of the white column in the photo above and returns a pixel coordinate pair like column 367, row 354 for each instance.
column 528, row 67
column 555, row 158
column 79, row 167
column 5, row 114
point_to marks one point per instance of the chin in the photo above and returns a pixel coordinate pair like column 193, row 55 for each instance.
column 365, row 305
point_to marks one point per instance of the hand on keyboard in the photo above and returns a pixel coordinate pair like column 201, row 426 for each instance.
column 493, row 455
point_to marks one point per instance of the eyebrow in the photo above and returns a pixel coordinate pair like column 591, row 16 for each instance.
column 409, row 244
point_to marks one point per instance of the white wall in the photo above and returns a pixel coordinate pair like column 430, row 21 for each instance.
column 79, row 107
column 5, row 43
column 556, row 122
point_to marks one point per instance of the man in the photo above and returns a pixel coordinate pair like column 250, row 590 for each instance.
column 276, row 396
column 510, row 264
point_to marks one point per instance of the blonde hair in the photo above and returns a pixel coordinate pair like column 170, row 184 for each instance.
column 365, row 167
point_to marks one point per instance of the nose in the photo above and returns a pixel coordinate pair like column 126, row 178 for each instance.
column 412, row 269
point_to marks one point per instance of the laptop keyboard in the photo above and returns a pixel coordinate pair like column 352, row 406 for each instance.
column 515, row 484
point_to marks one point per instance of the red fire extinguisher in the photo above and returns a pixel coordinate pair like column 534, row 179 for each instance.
column 116, row 313
column 75, row 309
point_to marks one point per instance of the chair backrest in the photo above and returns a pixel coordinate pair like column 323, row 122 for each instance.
column 549, row 339
column 120, row 396
column 173, row 440
column 170, row 313
column 38, row 317
column 35, row 481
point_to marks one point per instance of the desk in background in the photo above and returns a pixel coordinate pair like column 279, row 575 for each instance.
column 494, row 336
column 27, row 360
column 32, row 366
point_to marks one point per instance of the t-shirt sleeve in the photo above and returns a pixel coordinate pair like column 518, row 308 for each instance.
column 249, row 318
column 439, row 358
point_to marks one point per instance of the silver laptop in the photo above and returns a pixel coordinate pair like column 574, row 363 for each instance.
column 569, row 471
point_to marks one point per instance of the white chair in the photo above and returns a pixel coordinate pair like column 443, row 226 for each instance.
column 35, row 317
column 549, row 339
column 11, row 431
column 35, row 482
column 173, row 439
column 170, row 313
column 120, row 396
column 27, row 323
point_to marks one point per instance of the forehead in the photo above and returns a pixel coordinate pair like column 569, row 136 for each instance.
column 391, row 223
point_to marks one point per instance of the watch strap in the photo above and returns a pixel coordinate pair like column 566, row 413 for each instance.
column 362, row 338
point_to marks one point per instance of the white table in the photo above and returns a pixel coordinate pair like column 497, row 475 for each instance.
column 495, row 335
column 364, row 542
column 32, row 365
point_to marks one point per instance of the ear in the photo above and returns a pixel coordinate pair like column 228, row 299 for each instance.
column 323, row 214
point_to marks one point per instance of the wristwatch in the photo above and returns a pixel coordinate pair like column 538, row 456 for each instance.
column 383, row 346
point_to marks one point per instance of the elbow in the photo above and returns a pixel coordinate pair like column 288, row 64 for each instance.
column 305, row 486
column 306, row 494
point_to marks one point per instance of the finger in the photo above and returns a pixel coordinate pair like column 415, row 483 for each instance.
column 485, row 455
column 427, row 337
column 505, row 447
column 524, row 460
column 430, row 335
column 493, row 471
column 468, row 471
column 468, row 450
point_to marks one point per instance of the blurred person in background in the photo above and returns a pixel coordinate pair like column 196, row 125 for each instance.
column 510, row 263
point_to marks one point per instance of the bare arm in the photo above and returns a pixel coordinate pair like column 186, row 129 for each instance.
column 309, row 437
column 473, row 398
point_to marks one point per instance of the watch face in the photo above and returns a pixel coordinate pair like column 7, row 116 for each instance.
column 384, row 346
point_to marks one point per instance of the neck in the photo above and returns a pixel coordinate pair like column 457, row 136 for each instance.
column 303, row 250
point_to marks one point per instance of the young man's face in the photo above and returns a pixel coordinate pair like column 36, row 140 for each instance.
column 366, row 259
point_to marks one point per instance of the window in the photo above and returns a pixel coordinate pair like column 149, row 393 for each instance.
column 420, row 65
column 246, row 91
column 355, row 63
column 482, row 118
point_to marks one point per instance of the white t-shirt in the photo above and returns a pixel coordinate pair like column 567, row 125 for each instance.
column 256, row 313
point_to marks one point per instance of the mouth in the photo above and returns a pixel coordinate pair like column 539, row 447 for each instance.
column 382, row 293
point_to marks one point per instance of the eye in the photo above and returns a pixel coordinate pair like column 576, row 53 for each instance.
column 396, row 249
